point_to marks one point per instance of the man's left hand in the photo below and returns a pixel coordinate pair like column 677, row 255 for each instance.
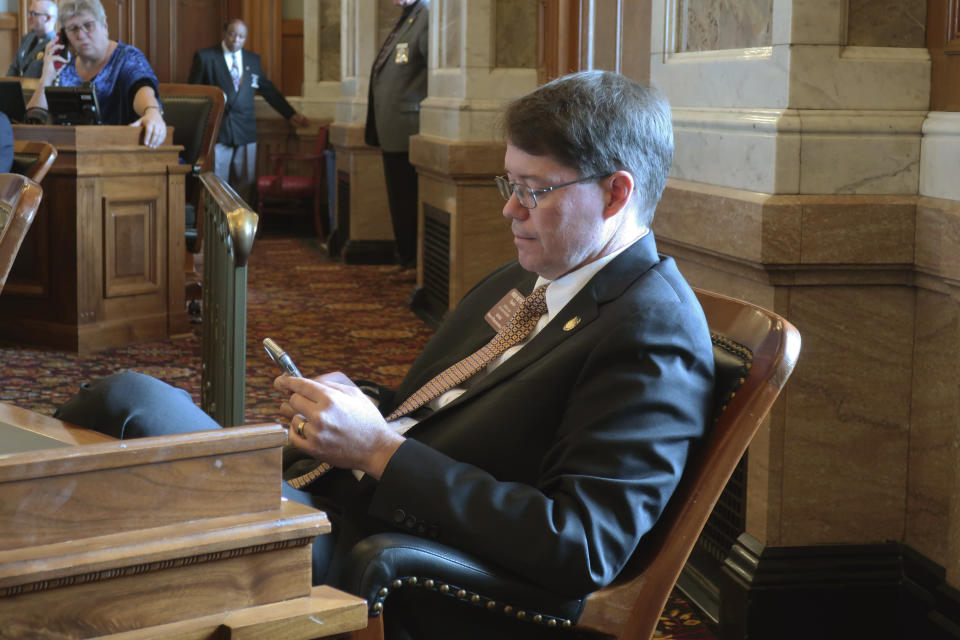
column 342, row 426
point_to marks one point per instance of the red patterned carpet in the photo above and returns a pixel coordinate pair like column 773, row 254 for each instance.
column 325, row 314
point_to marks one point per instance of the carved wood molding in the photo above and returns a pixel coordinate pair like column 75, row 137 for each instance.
column 149, row 567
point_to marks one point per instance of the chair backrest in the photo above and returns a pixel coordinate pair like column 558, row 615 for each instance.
column 194, row 111
column 755, row 351
column 33, row 159
column 19, row 199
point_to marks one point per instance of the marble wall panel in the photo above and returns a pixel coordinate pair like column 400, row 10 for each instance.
column 451, row 27
column 848, row 416
column 709, row 25
column 516, row 34
column 887, row 23
column 329, row 45
column 938, row 238
column 859, row 232
column 827, row 77
column 748, row 79
column 940, row 155
column 810, row 22
column 935, row 414
column 859, row 164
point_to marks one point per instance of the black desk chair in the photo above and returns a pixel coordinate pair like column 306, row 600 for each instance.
column 755, row 351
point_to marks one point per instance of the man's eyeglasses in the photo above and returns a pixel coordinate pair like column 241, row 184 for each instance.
column 87, row 27
column 37, row 14
column 526, row 196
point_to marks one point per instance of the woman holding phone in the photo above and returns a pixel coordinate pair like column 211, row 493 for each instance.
column 125, row 84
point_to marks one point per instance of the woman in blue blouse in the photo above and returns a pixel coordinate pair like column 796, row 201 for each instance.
column 125, row 84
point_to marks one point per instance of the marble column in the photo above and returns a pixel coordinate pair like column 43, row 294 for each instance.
column 483, row 53
column 362, row 219
column 810, row 178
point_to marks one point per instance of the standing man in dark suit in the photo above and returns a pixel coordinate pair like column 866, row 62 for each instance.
column 42, row 21
column 398, row 83
column 546, row 424
column 239, row 74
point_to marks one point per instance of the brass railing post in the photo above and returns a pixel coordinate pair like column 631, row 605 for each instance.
column 229, row 229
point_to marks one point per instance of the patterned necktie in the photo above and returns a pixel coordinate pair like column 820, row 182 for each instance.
column 235, row 72
column 513, row 333
column 524, row 319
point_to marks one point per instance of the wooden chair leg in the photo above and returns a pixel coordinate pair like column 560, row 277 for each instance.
column 373, row 630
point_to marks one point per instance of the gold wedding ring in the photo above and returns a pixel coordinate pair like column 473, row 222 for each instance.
column 300, row 427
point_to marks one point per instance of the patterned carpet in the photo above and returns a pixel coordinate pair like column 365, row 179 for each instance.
column 325, row 314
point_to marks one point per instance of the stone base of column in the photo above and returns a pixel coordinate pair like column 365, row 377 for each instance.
column 363, row 232
column 462, row 232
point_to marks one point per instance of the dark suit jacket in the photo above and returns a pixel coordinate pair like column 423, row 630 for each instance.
column 28, row 63
column 239, row 124
column 558, row 461
column 393, row 100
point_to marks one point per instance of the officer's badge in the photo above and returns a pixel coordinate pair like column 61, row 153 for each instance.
column 403, row 53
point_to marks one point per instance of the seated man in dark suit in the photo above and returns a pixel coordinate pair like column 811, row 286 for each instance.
column 546, row 424
column 42, row 20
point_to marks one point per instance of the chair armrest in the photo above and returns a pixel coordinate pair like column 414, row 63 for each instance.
column 386, row 561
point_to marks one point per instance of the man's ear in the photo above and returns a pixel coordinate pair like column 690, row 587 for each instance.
column 619, row 190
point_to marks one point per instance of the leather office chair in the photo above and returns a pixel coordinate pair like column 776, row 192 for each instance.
column 194, row 111
column 282, row 193
column 19, row 199
column 755, row 351
column 33, row 159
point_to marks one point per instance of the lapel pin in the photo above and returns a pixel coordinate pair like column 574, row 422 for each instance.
column 572, row 323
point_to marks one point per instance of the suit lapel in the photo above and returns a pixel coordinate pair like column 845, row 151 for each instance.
column 608, row 284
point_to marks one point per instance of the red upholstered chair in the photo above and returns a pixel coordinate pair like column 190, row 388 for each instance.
column 281, row 193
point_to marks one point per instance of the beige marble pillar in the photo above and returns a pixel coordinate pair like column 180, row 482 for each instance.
column 810, row 178
column 483, row 53
column 362, row 218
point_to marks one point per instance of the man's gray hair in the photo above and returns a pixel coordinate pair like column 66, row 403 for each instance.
column 90, row 7
column 598, row 122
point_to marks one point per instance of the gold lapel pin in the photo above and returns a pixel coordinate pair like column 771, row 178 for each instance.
column 572, row 323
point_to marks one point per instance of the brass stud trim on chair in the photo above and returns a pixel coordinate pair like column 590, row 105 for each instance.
column 397, row 583
column 461, row 594
column 412, row 580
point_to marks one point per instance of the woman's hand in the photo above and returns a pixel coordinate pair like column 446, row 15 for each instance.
column 51, row 57
column 154, row 128
column 340, row 423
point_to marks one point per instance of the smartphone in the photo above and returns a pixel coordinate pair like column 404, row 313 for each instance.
column 280, row 356
column 63, row 49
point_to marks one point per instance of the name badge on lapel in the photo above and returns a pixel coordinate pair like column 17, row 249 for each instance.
column 402, row 53
column 500, row 313
column 254, row 81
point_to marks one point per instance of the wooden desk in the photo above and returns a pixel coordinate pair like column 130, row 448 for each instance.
column 102, row 264
column 180, row 537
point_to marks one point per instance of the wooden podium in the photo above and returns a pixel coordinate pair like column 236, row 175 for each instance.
column 180, row 537
column 102, row 264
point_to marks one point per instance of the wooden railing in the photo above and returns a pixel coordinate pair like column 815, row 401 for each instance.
column 229, row 227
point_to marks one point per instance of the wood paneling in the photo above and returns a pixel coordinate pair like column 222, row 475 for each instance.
column 291, row 82
column 595, row 34
column 943, row 41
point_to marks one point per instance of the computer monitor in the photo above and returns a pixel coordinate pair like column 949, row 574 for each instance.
column 73, row 105
column 11, row 100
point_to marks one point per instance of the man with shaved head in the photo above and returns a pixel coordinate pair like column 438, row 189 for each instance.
column 42, row 21
column 239, row 73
